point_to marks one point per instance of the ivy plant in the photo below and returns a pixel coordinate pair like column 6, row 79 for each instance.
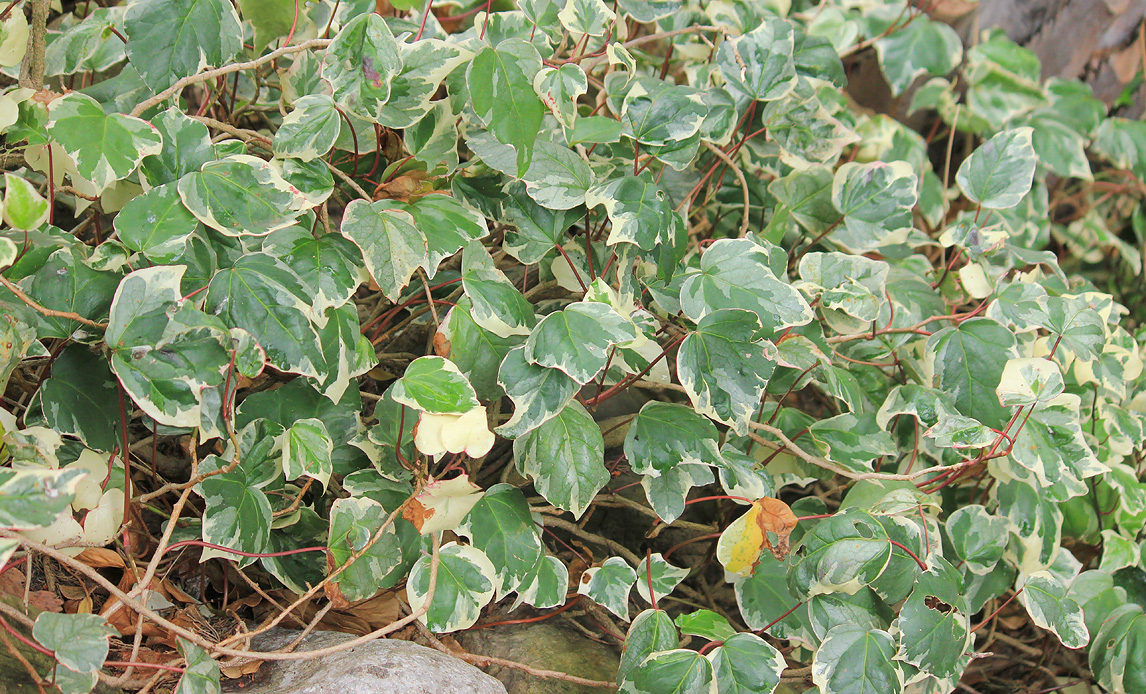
column 441, row 300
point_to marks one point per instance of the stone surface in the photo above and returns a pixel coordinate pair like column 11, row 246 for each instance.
column 545, row 646
column 384, row 666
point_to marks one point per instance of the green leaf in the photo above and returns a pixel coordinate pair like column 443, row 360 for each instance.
column 978, row 538
column 559, row 89
column 8, row 252
column 577, row 339
column 434, row 384
column 329, row 265
column 310, row 130
column 640, row 211
column 271, row 18
column 934, row 623
column 663, row 576
column 664, row 435
column 170, row 39
column 747, row 664
column 361, row 64
column 156, row 224
column 864, row 608
column 667, row 492
column 704, row 623
column 236, row 514
column 425, row 63
column 565, row 456
column 852, row 441
column 609, row 585
column 595, row 129
column 1119, row 647
column 448, row 224
column 969, row 362
column 736, row 273
column 88, row 45
column 1060, row 148
column 353, row 522
column 79, row 641
column 1029, row 381
column 671, row 672
column 841, row 553
column 500, row 81
column 546, row 586
column 651, row 631
column 807, row 196
column 1051, row 452
column 856, row 660
column 1076, row 324
column 875, row 199
column 557, row 177
column 465, row 584
column 241, row 196
column 306, row 451
column 201, row 671
column 186, row 148
column 1046, row 601
column 659, row 113
column 33, row 498
column 105, row 148
column 764, row 597
column 477, row 352
column 24, row 208
column 80, row 399
column 501, row 526
column 998, row 173
column 538, row 393
column 921, row 47
column 392, row 246
column 264, row 297
column 66, row 283
column 723, row 369
column 759, row 64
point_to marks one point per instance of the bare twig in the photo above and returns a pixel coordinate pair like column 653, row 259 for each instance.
column 740, row 177
column 47, row 311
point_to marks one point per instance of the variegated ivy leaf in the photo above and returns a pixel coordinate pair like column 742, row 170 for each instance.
column 680, row 669
column 853, row 658
column 354, row 521
column 667, row 492
column 538, row 393
column 957, row 431
column 640, row 211
column 78, row 641
column 8, row 253
column 260, row 294
column 80, row 399
column 807, row 133
column 969, row 360
column 88, row 45
column 609, row 585
column 577, row 339
column 306, row 451
column 559, row 89
column 978, row 538
column 998, row 173
column 546, row 586
column 236, row 513
column 425, row 63
column 746, row 664
column 1029, row 381
column 186, row 148
column 392, row 245
column 171, row 39
column 759, row 64
column 1045, row 598
column 565, row 456
column 497, row 305
column 663, row 576
column 852, row 441
column 501, row 92
column 24, row 208
column 1051, row 452
column 934, row 625
column 736, row 273
column 154, row 336
column 1073, row 322
column 927, row 405
column 347, row 353
column 842, row 553
column 741, row 475
column 580, row 17
column 201, row 673
column 241, row 195
column 500, row 525
column 723, row 368
column 851, row 288
column 156, row 224
column 105, row 148
column 657, row 113
column 361, row 64
column 646, row 11
column 664, row 435
column 33, row 498
column 434, row 384
column 557, row 177
column 476, row 351
column 330, row 265
column 875, row 200
column 651, row 631
column 919, row 48
column 465, row 584
column 864, row 608
column 310, row 130
column 449, row 225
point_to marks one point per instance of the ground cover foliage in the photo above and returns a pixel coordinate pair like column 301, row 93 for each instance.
column 409, row 317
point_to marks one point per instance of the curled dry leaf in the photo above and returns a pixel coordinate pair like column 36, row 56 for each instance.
column 442, row 504
column 768, row 524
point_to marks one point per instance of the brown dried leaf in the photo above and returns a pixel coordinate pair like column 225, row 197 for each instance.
column 775, row 517
column 101, row 558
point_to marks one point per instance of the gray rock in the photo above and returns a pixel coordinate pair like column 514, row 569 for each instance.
column 384, row 666
column 548, row 647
